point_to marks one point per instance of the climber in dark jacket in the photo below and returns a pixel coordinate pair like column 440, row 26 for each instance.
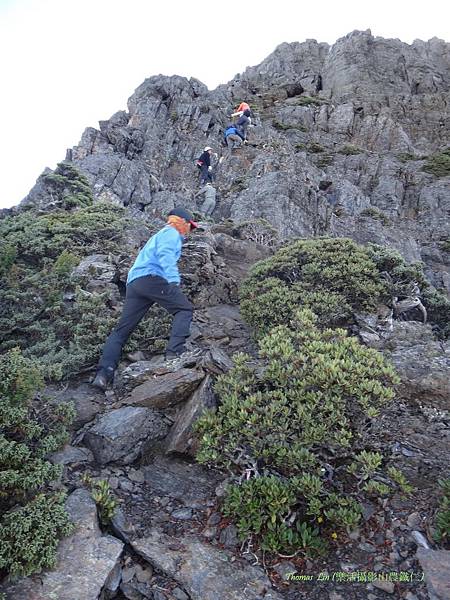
column 204, row 162
column 243, row 124
column 153, row 278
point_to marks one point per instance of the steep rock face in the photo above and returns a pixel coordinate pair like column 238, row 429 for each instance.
column 364, row 113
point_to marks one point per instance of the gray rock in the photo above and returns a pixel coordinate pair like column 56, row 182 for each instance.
column 181, row 438
column 131, row 591
column 179, row 594
column 386, row 586
column 436, row 566
column 144, row 575
column 119, row 435
column 228, row 536
column 122, row 527
column 88, row 401
column 114, row 579
column 203, row 571
column 183, row 514
column 422, row 362
column 137, row 476
column 166, row 390
column 85, row 560
column 214, row 519
column 180, row 480
column 414, row 520
column 71, row 454
column 284, row 568
column 97, row 267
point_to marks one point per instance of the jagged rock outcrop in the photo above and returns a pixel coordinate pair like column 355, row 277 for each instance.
column 364, row 113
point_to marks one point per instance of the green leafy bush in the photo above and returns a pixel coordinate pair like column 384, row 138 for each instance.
column 315, row 148
column 33, row 518
column 31, row 533
column 333, row 277
column 438, row 309
column 103, row 497
column 261, row 507
column 308, row 398
column 438, row 164
column 442, row 520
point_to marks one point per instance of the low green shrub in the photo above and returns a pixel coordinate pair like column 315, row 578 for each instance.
column 103, row 497
column 333, row 277
column 375, row 213
column 349, row 150
column 308, row 101
column 68, row 187
column 33, row 518
column 442, row 519
column 438, row 164
column 44, row 308
column 438, row 309
column 284, row 127
column 315, row 148
column 290, row 420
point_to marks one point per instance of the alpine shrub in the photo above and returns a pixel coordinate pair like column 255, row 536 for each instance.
column 307, row 398
column 442, row 519
column 333, row 277
column 43, row 307
column 33, row 518
column 438, row 164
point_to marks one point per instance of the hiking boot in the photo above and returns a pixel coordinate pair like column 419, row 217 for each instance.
column 103, row 378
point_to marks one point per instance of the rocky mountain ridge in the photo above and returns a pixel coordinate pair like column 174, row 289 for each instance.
column 368, row 114
column 379, row 110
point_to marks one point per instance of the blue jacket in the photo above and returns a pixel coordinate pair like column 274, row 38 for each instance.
column 159, row 256
column 230, row 130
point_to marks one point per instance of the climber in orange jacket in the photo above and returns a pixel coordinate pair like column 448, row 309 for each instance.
column 243, row 106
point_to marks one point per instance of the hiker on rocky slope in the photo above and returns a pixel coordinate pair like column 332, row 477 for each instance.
column 153, row 278
column 204, row 163
column 232, row 137
column 243, row 123
column 243, row 106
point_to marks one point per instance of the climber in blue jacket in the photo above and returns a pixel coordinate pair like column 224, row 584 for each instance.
column 153, row 278
column 233, row 138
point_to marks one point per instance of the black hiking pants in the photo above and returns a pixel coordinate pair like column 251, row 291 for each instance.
column 205, row 174
column 140, row 295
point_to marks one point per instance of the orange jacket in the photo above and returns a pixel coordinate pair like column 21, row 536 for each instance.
column 243, row 106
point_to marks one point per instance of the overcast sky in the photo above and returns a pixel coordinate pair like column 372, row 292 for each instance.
column 65, row 65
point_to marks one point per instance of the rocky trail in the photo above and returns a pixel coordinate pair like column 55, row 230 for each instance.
column 168, row 539
column 373, row 126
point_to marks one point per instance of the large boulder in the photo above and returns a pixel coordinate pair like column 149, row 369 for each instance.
column 166, row 390
column 85, row 560
column 120, row 434
column 206, row 573
column 181, row 438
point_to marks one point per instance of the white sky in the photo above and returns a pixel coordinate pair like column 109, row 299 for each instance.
column 65, row 65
